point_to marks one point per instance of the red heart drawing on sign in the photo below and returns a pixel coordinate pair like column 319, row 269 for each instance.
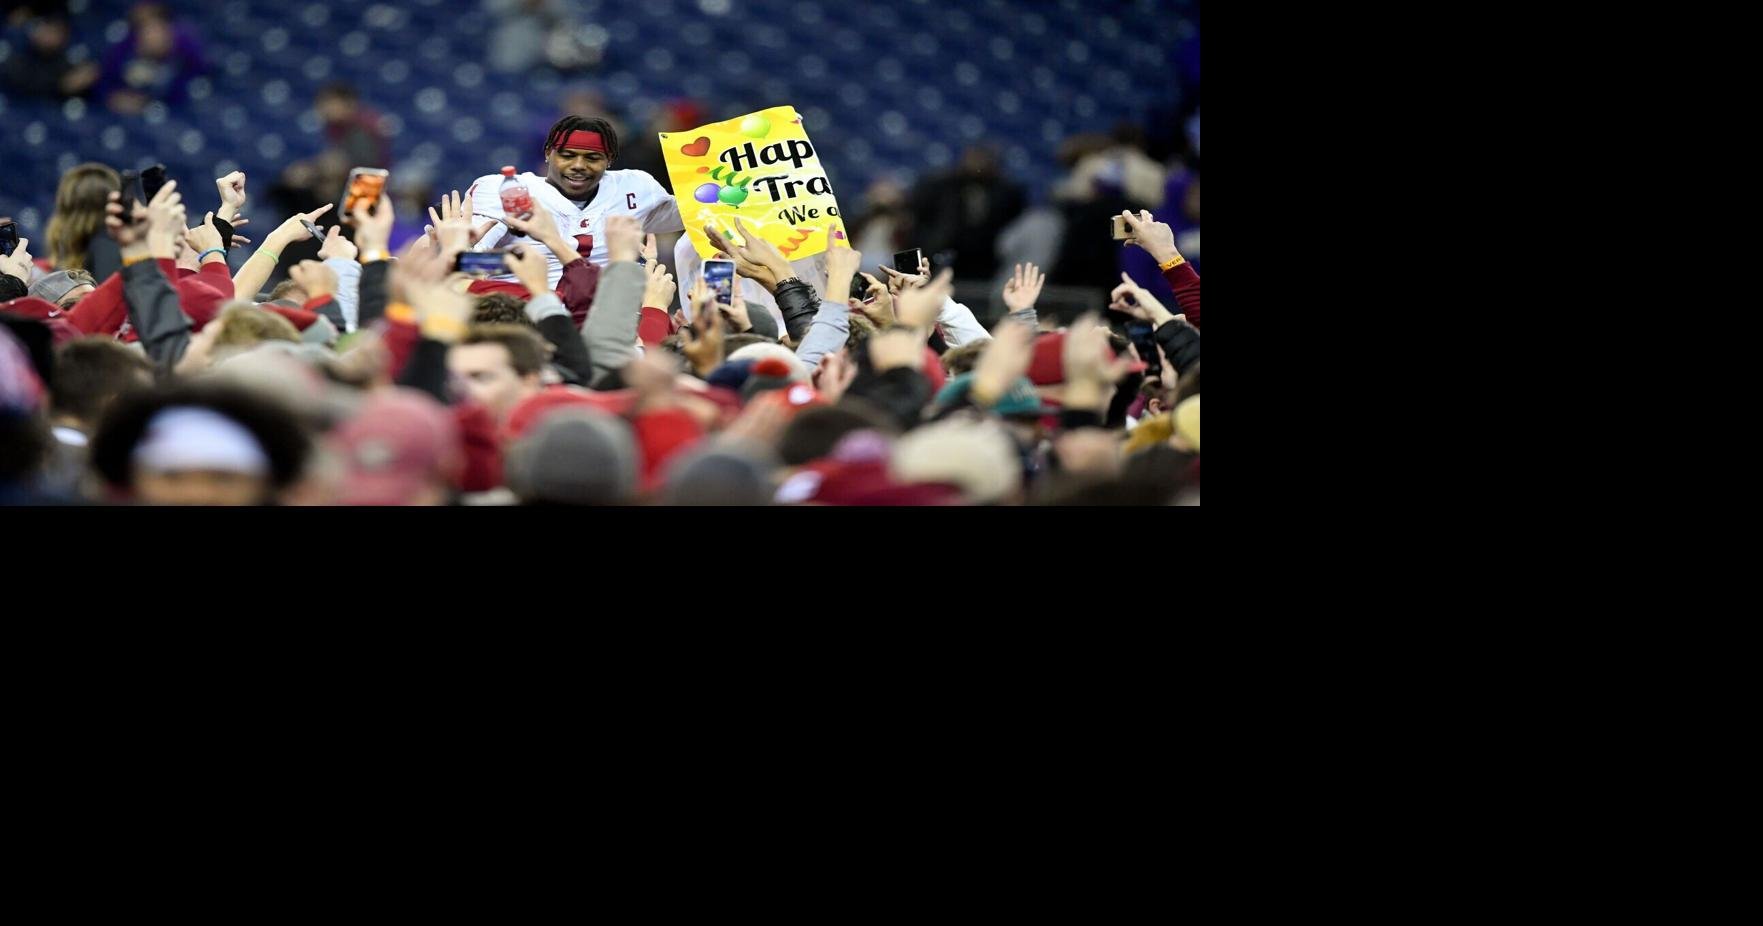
column 697, row 148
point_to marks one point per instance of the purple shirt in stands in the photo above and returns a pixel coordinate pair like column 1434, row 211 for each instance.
column 166, row 79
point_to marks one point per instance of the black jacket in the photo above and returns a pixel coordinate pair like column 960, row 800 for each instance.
column 901, row 392
column 1180, row 342
column 798, row 302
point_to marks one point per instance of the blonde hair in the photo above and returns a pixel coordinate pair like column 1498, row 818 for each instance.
column 79, row 213
column 1152, row 430
column 244, row 325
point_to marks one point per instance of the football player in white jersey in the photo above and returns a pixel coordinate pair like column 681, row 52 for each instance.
column 578, row 191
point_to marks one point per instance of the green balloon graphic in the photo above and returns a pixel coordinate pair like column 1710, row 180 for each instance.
column 755, row 126
column 733, row 195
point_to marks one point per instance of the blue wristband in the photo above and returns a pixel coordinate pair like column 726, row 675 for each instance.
column 200, row 257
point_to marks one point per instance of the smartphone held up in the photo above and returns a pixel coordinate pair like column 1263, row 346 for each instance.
column 140, row 186
column 909, row 261
column 481, row 264
column 364, row 188
column 719, row 275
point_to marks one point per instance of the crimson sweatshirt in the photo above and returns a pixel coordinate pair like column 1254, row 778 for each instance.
column 1186, row 284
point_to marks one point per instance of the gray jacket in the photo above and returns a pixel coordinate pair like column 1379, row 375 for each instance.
column 611, row 329
column 154, row 311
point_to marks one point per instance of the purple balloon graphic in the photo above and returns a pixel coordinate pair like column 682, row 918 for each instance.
column 706, row 193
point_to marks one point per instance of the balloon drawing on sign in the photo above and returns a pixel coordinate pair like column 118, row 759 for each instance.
column 734, row 194
column 755, row 126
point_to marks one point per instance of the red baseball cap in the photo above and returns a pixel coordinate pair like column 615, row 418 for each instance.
column 794, row 398
column 31, row 307
column 1048, row 366
column 526, row 413
column 487, row 287
column 398, row 441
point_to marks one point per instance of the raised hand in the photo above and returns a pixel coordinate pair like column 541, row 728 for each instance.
column 1023, row 287
column 293, row 228
column 544, row 231
column 457, row 209
column 335, row 245
column 1156, row 238
column 896, row 347
column 530, row 267
column 704, row 336
column 127, row 234
column 18, row 264
column 1134, row 300
column 919, row 307
column 880, row 307
column 238, row 240
column 373, row 228
column 755, row 258
column 659, row 289
column 1086, row 353
column 204, row 237
column 623, row 238
column 1005, row 360
column 232, row 194
column 165, row 221
column 841, row 265
column 736, row 311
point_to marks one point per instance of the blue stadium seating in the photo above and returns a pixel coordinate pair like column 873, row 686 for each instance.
column 885, row 88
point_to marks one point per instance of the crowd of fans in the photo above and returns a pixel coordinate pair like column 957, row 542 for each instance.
column 357, row 366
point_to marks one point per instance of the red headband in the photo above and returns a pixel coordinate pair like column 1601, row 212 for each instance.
column 579, row 140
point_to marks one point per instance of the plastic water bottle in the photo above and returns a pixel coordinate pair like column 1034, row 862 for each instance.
column 517, row 200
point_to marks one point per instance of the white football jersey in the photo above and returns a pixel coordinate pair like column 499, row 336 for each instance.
column 621, row 192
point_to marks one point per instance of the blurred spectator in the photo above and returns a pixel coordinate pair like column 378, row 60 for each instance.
column 1119, row 170
column 963, row 211
column 354, row 131
column 401, row 447
column 200, row 444
column 155, row 61
column 575, row 457
column 197, row 376
column 26, row 443
column 1108, row 174
column 20, row 12
column 1034, row 238
column 412, row 190
column 91, row 373
column 43, row 68
column 643, row 151
column 534, row 32
column 355, row 136
column 75, row 232
column 885, row 224
column 1181, row 212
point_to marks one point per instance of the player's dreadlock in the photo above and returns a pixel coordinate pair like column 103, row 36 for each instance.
column 570, row 124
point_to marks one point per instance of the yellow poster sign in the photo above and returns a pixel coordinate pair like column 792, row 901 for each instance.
column 760, row 167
